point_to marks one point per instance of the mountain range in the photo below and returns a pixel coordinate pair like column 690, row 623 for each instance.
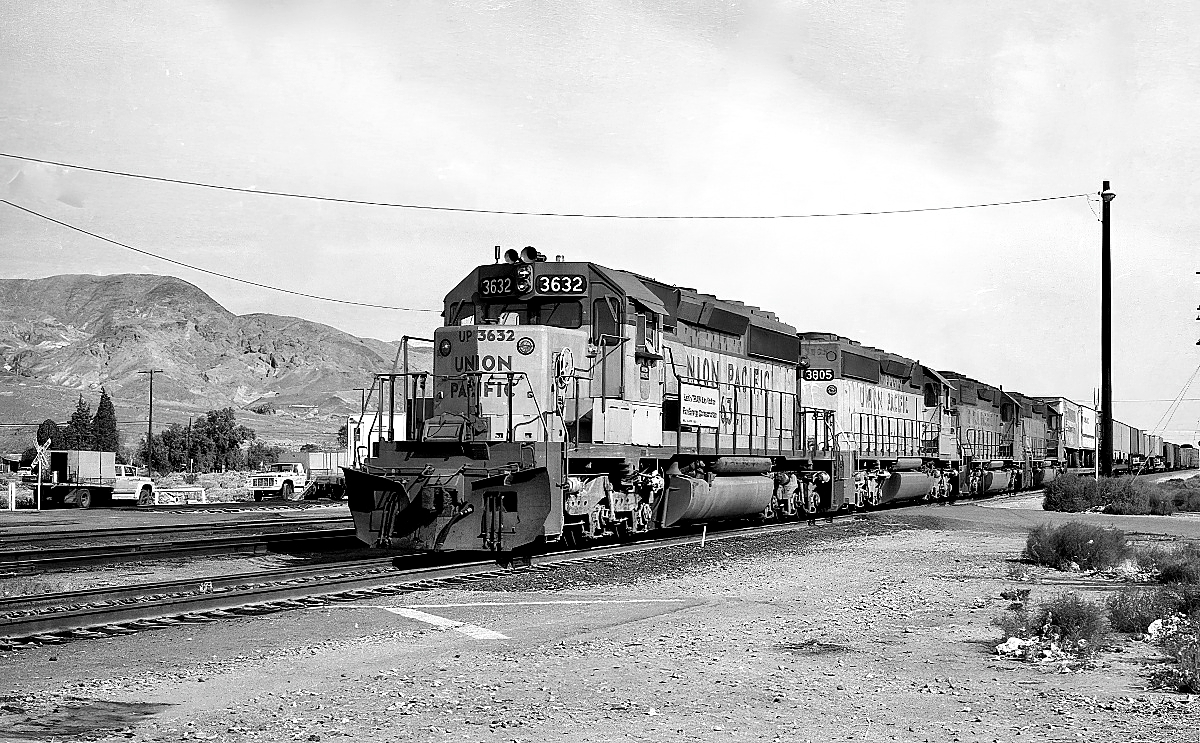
column 66, row 335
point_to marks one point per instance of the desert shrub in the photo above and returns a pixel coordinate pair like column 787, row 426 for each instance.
column 1134, row 611
column 1066, row 622
column 1017, row 622
column 1071, row 493
column 1180, row 640
column 1124, row 495
column 1089, row 547
column 1078, row 624
column 1181, row 565
column 1120, row 495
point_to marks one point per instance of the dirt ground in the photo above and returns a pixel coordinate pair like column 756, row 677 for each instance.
column 874, row 630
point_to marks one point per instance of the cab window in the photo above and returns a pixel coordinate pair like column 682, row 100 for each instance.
column 606, row 320
column 505, row 314
column 559, row 314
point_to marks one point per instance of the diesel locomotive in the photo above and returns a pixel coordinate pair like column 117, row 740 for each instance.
column 570, row 402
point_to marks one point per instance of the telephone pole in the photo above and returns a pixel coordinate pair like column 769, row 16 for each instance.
column 1106, row 412
column 150, row 420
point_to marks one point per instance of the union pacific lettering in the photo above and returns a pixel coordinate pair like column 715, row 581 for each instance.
column 486, row 363
column 713, row 370
column 879, row 400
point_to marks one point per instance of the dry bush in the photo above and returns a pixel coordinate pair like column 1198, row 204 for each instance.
column 1180, row 640
column 1089, row 547
column 1071, row 493
column 1180, row 566
column 1066, row 622
column 1134, row 611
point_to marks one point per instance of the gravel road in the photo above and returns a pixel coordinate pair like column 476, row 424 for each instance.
column 876, row 629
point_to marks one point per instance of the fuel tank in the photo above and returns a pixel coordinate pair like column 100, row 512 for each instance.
column 1044, row 476
column 997, row 481
column 905, row 486
column 694, row 499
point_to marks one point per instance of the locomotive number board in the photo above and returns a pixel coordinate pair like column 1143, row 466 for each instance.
column 497, row 287
column 567, row 285
column 818, row 375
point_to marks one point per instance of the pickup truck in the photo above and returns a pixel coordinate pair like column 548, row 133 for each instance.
column 288, row 480
column 129, row 484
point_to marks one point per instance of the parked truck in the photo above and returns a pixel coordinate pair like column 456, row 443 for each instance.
column 91, row 478
column 300, row 475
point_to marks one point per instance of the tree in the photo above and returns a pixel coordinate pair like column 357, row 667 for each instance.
column 48, row 431
column 213, row 442
column 28, row 456
column 341, row 436
column 260, row 454
column 310, row 447
column 104, row 425
column 78, row 433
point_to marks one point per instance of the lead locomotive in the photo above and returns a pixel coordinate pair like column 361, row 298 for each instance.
column 572, row 402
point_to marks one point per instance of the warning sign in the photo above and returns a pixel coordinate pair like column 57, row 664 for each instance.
column 699, row 406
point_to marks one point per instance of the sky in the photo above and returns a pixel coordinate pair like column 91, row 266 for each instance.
column 691, row 107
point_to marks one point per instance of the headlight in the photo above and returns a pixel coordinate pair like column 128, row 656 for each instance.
column 523, row 286
column 523, row 272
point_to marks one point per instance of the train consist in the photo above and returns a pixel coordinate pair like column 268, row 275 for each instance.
column 573, row 402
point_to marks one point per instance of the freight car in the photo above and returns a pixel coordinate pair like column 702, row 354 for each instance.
column 574, row 402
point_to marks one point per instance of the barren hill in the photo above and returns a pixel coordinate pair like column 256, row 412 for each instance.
column 79, row 332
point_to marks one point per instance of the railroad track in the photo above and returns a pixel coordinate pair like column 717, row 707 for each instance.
column 34, row 539
column 56, row 618
column 37, row 552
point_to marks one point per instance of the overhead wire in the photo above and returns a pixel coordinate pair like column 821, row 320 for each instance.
column 1169, row 414
column 508, row 212
column 211, row 272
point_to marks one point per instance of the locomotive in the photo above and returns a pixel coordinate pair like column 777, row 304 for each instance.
column 570, row 402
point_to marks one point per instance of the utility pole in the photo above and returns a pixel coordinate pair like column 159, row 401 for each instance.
column 150, row 421
column 1106, row 412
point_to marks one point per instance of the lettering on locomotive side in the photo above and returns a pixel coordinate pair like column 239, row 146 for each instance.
column 487, row 363
column 488, row 387
column 744, row 375
column 879, row 400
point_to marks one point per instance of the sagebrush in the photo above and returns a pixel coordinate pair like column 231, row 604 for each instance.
column 1076, row 543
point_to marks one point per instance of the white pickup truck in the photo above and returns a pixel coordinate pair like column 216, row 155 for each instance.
column 288, row 480
column 130, row 485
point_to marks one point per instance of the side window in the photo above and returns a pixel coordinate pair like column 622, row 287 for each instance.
column 606, row 321
column 931, row 395
column 1006, row 412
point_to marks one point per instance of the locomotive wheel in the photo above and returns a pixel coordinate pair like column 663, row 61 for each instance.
column 83, row 498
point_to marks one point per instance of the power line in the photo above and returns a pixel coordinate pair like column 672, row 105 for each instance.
column 506, row 212
column 213, row 273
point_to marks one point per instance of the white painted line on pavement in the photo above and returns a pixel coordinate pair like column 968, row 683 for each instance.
column 548, row 603
column 479, row 633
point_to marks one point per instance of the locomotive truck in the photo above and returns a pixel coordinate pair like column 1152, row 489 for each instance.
column 574, row 402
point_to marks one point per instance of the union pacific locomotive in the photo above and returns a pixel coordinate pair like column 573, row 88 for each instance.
column 571, row 402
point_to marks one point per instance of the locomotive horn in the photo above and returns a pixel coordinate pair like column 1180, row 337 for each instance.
column 529, row 254
column 511, row 256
